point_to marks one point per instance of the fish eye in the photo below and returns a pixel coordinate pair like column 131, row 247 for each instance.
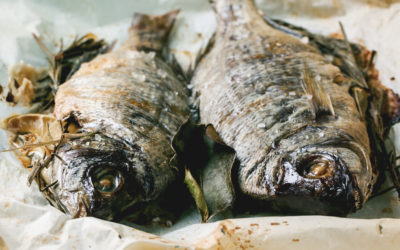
column 107, row 180
column 318, row 168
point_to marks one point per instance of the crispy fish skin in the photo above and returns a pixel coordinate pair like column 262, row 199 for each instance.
column 131, row 104
column 297, row 150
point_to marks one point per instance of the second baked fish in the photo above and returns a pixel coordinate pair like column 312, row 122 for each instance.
column 291, row 115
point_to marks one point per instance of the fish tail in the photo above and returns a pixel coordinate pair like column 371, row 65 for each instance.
column 150, row 32
column 230, row 10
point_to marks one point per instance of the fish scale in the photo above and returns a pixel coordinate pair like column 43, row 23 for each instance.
column 259, row 80
column 131, row 104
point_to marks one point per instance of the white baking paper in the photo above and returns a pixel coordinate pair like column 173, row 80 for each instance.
column 28, row 222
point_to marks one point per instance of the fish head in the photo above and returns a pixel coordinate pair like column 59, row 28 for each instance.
column 322, row 171
column 96, row 176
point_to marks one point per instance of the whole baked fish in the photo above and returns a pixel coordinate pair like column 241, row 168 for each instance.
column 298, row 123
column 120, row 112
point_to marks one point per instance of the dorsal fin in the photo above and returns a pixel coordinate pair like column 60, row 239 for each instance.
column 320, row 99
column 150, row 32
column 355, row 74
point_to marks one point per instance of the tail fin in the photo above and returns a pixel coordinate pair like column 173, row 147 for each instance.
column 150, row 32
column 230, row 10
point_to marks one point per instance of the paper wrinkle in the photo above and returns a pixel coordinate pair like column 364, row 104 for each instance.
column 28, row 222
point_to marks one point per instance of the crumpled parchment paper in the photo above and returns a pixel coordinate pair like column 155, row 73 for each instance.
column 28, row 222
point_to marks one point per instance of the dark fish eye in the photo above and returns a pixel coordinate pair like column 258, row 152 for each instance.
column 318, row 168
column 107, row 180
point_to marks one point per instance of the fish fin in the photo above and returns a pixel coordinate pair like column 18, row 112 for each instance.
column 357, row 72
column 176, row 66
column 387, row 104
column 337, row 50
column 200, row 55
column 150, row 32
column 358, row 64
column 383, row 103
column 231, row 10
column 287, row 28
column 319, row 97
column 361, row 98
column 355, row 62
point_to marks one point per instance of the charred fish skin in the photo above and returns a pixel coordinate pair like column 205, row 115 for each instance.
column 300, row 140
column 130, row 104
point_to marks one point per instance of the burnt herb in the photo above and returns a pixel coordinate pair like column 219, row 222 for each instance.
column 65, row 63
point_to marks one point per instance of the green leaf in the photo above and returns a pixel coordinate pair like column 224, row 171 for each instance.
column 197, row 195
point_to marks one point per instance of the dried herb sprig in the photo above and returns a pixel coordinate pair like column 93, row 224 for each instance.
column 65, row 63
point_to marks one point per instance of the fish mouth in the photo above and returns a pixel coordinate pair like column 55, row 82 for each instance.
column 80, row 204
column 83, row 208
column 310, row 170
column 319, row 170
column 74, row 204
